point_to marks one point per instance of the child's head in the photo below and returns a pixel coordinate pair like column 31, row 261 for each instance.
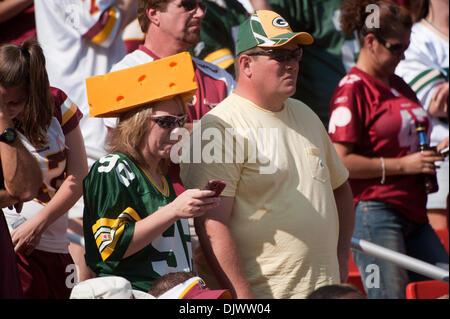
column 185, row 285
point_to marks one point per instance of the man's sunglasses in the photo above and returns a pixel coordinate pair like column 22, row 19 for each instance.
column 396, row 49
column 190, row 5
column 169, row 121
column 280, row 55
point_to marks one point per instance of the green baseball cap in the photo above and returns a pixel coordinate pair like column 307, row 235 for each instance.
column 267, row 29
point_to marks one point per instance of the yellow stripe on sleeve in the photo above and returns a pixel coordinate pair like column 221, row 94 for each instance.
column 103, row 35
column 107, row 231
column 223, row 58
column 67, row 115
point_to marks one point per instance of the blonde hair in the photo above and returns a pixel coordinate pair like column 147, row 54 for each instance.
column 127, row 136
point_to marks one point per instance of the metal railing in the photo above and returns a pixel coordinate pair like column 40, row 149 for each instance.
column 399, row 259
column 371, row 249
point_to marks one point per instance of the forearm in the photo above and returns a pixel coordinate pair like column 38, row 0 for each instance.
column 346, row 213
column 21, row 173
column 11, row 8
column 260, row 4
column 150, row 228
column 128, row 9
column 222, row 254
column 6, row 199
column 361, row 167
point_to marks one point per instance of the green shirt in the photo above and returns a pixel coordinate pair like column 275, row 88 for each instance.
column 117, row 194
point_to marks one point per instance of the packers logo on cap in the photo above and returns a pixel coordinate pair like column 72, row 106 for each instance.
column 267, row 29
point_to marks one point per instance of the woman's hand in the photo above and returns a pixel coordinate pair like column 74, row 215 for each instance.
column 26, row 237
column 193, row 203
column 439, row 102
column 420, row 162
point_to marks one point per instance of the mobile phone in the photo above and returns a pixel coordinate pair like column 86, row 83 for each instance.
column 215, row 185
column 444, row 152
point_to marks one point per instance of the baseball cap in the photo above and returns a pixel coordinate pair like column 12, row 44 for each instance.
column 109, row 287
column 267, row 29
column 194, row 288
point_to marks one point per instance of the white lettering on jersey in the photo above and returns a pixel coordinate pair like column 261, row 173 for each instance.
column 349, row 78
column 341, row 116
column 111, row 161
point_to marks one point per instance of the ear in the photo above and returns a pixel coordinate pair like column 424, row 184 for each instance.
column 369, row 41
column 245, row 65
column 153, row 15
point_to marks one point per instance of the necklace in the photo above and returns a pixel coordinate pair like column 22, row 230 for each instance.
column 436, row 29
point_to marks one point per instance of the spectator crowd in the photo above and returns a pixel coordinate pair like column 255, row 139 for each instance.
column 321, row 120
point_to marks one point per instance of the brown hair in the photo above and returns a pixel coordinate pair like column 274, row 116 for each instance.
column 127, row 136
column 393, row 20
column 419, row 9
column 143, row 6
column 24, row 66
column 168, row 281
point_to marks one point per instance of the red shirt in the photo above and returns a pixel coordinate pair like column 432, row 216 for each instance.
column 381, row 122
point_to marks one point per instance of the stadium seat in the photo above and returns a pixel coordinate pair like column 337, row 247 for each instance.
column 443, row 236
column 354, row 277
column 429, row 289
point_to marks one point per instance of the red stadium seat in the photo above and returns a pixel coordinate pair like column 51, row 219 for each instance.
column 443, row 236
column 430, row 289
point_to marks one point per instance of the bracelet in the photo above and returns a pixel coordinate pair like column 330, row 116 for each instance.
column 383, row 170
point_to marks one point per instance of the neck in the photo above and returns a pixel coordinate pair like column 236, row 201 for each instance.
column 366, row 64
column 272, row 104
column 162, row 46
column 438, row 16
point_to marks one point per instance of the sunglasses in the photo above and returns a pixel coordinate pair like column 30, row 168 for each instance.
column 169, row 121
column 190, row 5
column 281, row 55
column 397, row 48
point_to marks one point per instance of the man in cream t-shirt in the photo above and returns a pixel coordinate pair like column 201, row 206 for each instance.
column 286, row 216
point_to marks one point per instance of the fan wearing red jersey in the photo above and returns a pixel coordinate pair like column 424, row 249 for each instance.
column 373, row 119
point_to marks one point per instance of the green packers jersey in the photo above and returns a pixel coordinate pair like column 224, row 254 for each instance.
column 328, row 59
column 218, row 34
column 117, row 194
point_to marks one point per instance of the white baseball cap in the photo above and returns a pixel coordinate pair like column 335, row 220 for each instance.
column 109, row 287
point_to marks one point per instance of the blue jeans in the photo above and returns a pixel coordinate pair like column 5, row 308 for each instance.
column 381, row 224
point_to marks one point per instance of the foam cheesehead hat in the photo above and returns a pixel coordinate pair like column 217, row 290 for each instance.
column 267, row 29
column 120, row 91
column 194, row 288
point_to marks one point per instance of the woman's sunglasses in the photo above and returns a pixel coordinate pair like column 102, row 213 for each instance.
column 169, row 121
column 397, row 48
column 190, row 5
column 280, row 55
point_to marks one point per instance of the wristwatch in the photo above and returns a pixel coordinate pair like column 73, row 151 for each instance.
column 8, row 136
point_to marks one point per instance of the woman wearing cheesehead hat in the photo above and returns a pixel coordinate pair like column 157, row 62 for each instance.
column 134, row 226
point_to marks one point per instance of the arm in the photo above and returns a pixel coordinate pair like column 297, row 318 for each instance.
column 361, row 167
column 221, row 250
column 261, row 4
column 346, row 212
column 191, row 203
column 438, row 105
column 10, row 8
column 21, row 173
column 28, row 235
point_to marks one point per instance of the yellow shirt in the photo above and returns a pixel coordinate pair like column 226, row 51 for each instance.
column 284, row 218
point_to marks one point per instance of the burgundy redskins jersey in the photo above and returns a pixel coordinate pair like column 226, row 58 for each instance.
column 380, row 121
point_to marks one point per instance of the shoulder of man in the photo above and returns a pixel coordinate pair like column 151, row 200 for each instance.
column 214, row 71
column 132, row 59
